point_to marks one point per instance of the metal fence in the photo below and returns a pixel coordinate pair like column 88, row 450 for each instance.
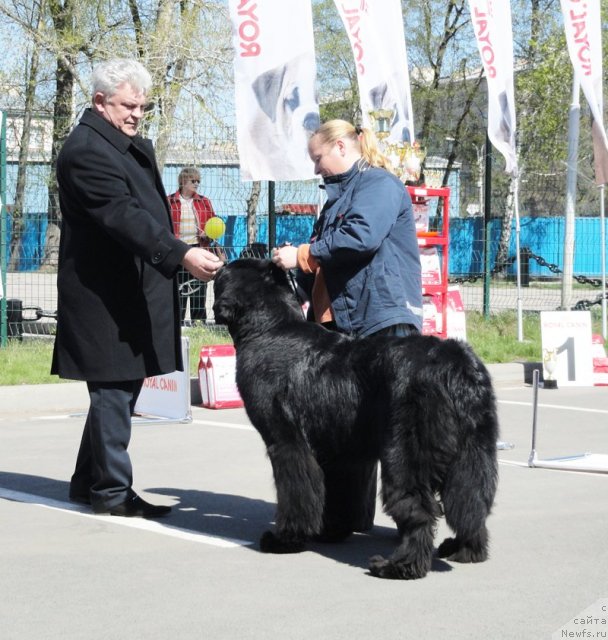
column 30, row 237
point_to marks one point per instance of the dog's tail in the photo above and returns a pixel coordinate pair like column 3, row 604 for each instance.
column 471, row 479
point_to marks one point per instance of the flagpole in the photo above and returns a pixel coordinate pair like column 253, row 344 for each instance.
column 573, row 129
column 520, row 315
column 603, row 258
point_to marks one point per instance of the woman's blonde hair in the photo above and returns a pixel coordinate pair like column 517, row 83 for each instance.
column 364, row 140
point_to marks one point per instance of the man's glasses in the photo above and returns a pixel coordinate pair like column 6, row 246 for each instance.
column 195, row 181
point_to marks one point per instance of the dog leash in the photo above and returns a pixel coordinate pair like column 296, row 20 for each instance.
column 294, row 287
column 188, row 287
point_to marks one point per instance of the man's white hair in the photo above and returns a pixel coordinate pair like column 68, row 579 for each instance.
column 109, row 75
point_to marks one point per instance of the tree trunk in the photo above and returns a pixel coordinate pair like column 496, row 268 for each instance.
column 505, row 230
column 63, row 20
column 24, row 145
column 62, row 121
column 252, row 206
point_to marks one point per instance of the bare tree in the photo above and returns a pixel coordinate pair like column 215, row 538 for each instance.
column 24, row 145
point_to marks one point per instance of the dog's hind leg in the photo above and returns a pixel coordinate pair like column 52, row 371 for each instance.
column 300, row 498
column 467, row 495
column 415, row 511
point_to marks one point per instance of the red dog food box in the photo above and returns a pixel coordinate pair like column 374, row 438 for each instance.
column 216, row 375
column 600, row 361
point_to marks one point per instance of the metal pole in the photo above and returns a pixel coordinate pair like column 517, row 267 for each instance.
column 532, row 457
column 487, row 210
column 3, row 232
column 603, row 258
column 520, row 324
column 573, row 130
column 272, row 223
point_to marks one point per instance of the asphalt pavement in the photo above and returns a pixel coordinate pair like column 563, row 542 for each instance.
column 68, row 574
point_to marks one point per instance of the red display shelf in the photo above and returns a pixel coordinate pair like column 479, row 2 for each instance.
column 436, row 238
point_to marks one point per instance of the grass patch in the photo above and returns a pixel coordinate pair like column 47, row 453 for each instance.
column 494, row 339
column 29, row 361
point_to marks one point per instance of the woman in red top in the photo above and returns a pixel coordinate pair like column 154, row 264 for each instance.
column 190, row 211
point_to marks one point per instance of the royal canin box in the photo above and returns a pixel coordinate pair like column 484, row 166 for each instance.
column 432, row 317
column 600, row 361
column 216, row 376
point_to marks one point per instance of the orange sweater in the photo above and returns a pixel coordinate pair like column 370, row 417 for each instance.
column 321, row 305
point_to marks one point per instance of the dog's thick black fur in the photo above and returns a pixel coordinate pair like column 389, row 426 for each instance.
column 423, row 407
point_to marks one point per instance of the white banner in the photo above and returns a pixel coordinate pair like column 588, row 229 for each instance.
column 275, row 75
column 583, row 23
column 492, row 25
column 375, row 32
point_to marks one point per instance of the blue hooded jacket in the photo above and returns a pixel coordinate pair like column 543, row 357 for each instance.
column 365, row 242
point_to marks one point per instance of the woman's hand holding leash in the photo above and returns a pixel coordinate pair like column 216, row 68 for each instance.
column 285, row 256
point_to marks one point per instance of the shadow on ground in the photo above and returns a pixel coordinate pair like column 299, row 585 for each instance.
column 228, row 516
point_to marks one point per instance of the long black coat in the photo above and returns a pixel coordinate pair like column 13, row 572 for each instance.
column 118, row 308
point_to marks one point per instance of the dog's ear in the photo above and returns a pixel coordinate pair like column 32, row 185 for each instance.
column 267, row 90
column 226, row 307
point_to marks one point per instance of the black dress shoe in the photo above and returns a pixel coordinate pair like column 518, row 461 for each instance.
column 136, row 507
column 80, row 499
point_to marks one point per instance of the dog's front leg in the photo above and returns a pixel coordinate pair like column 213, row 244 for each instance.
column 300, row 498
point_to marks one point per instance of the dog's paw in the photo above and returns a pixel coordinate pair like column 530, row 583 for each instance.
column 382, row 568
column 270, row 543
column 456, row 551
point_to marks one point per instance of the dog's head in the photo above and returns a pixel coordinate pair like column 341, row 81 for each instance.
column 287, row 95
column 253, row 292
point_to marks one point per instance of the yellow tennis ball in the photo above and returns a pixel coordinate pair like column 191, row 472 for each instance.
column 215, row 228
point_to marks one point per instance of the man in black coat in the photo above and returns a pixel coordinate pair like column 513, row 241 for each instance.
column 118, row 308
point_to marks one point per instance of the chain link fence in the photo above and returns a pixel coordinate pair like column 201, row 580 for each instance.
column 31, row 238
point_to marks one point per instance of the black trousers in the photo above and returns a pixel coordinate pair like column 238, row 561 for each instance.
column 351, row 485
column 103, row 472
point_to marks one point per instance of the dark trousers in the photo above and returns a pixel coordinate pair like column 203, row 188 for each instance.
column 197, row 297
column 351, row 485
column 103, row 471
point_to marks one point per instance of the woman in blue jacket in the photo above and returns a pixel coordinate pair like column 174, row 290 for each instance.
column 363, row 264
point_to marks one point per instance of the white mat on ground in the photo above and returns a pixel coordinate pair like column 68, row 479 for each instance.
column 590, row 462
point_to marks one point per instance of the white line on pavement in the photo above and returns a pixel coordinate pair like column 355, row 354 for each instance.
column 134, row 523
column 554, row 406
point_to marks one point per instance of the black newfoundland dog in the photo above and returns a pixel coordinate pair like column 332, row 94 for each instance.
column 423, row 407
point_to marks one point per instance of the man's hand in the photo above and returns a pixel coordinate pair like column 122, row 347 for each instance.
column 202, row 264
